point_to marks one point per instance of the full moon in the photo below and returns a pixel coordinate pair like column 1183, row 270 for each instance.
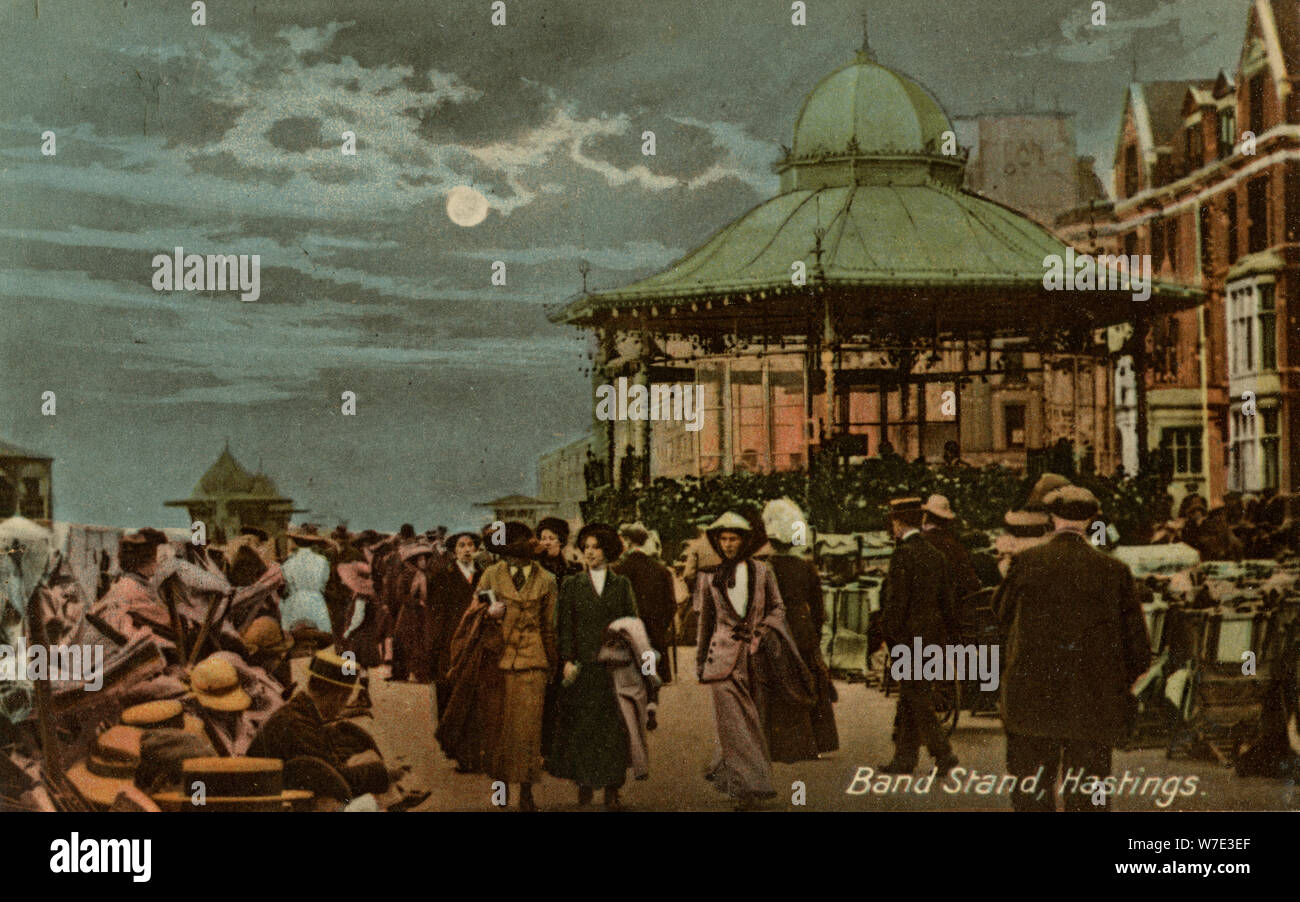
column 465, row 206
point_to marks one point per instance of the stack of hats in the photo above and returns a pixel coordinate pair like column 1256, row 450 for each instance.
column 170, row 737
column 110, row 767
column 232, row 784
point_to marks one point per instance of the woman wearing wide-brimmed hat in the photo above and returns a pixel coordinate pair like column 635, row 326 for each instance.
column 590, row 738
column 738, row 604
column 525, row 596
column 413, row 621
column 365, row 622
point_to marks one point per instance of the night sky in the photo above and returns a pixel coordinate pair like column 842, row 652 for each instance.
column 226, row 139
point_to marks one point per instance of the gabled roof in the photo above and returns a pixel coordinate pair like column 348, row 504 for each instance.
column 1164, row 106
column 228, row 479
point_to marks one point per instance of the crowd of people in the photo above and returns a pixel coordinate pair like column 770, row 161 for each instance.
column 542, row 656
column 545, row 656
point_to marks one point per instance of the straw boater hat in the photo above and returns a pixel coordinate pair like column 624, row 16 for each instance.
column 162, row 714
column 607, row 538
column 938, row 506
column 356, row 576
column 264, row 635
column 110, row 767
column 215, row 684
column 232, row 784
column 1073, row 502
column 331, row 667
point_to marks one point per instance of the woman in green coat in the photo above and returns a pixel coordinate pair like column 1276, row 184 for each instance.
column 590, row 739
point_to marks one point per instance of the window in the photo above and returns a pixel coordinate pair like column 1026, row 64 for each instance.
column 1131, row 244
column 1157, row 243
column 1171, row 243
column 1242, row 454
column 1184, row 445
column 785, row 390
column 1013, row 423
column 1164, row 348
column 1227, row 133
column 1267, row 328
column 1268, row 446
column 1257, row 214
column 1241, row 332
column 1257, row 104
column 1130, row 171
column 1203, row 224
column 1232, row 228
column 748, row 430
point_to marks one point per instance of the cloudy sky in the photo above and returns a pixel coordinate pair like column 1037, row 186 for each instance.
column 227, row 138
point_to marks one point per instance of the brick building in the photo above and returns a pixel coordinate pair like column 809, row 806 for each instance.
column 1207, row 181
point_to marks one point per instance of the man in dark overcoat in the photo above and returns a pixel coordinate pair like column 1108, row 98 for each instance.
column 656, row 595
column 917, row 602
column 1074, row 641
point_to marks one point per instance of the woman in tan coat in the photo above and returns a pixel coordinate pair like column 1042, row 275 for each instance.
column 525, row 595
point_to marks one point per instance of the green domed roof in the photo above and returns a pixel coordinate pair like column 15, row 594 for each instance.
column 866, row 109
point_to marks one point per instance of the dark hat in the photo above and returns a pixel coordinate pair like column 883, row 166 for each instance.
column 163, row 750
column 455, row 537
column 606, row 537
column 368, row 536
column 333, row 668
column 557, row 526
column 261, row 534
column 153, row 536
column 1073, row 502
column 518, row 541
column 407, row 531
column 903, row 505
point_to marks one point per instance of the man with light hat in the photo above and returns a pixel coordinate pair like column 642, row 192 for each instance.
column 937, row 526
column 1074, row 641
column 302, row 726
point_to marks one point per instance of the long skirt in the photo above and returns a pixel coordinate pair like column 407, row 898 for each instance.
column 517, row 757
column 590, row 738
column 741, row 765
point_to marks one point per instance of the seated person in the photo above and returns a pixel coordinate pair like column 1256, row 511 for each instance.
column 302, row 727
